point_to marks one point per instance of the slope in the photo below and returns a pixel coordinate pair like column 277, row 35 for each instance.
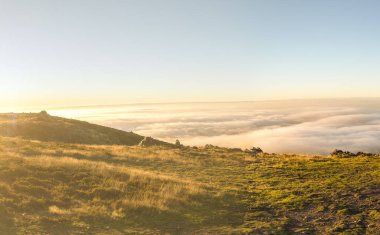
column 43, row 127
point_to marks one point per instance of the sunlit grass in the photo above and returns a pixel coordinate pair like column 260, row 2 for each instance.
column 47, row 187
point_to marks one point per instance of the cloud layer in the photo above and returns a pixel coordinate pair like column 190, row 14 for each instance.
column 315, row 127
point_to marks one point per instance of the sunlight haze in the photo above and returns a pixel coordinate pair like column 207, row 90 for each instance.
column 60, row 53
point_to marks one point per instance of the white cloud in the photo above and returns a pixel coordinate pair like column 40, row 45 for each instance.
column 298, row 127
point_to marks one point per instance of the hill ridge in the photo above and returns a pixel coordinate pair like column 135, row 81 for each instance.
column 44, row 127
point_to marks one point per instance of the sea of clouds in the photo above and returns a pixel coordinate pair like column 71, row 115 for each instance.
column 294, row 126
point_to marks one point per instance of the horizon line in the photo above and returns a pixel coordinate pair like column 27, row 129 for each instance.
column 188, row 102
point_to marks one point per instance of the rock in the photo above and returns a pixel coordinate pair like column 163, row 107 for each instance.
column 147, row 141
column 43, row 113
column 256, row 150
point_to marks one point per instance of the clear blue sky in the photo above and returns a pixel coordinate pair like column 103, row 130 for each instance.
column 102, row 52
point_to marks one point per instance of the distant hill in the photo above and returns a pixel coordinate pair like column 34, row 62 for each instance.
column 41, row 126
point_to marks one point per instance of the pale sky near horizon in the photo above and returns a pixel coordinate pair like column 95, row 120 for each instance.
column 111, row 52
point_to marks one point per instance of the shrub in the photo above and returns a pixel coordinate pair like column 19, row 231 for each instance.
column 342, row 154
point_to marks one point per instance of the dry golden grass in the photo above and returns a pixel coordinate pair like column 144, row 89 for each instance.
column 80, row 184
column 55, row 188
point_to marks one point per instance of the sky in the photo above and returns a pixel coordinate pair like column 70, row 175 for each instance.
column 85, row 52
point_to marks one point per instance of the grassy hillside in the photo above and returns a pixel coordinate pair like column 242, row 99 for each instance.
column 41, row 126
column 314, row 195
column 57, row 188
column 63, row 188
